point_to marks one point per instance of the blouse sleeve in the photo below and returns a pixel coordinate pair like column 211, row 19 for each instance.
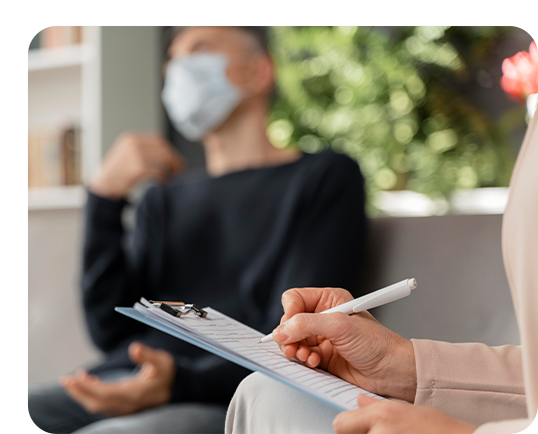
column 504, row 427
column 472, row 381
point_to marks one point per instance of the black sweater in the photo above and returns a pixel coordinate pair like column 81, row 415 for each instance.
column 235, row 243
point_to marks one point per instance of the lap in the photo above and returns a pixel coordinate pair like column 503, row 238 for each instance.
column 52, row 409
column 178, row 418
column 263, row 405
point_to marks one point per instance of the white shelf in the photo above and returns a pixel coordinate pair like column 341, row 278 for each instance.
column 479, row 201
column 391, row 203
column 65, row 197
column 61, row 57
column 407, row 203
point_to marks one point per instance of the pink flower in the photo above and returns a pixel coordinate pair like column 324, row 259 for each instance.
column 520, row 74
column 533, row 52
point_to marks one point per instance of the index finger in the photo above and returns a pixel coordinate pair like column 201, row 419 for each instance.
column 88, row 400
column 115, row 389
column 312, row 300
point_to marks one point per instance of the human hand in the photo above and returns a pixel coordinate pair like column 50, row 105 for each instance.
column 356, row 348
column 151, row 387
column 133, row 158
column 393, row 417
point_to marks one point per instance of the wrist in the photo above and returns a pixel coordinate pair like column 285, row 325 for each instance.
column 106, row 190
column 171, row 383
column 400, row 379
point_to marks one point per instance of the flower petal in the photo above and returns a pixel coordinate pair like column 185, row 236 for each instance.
column 508, row 67
column 533, row 52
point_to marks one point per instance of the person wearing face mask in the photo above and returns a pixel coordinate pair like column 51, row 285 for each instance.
column 257, row 221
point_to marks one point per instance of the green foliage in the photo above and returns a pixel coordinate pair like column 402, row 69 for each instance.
column 386, row 100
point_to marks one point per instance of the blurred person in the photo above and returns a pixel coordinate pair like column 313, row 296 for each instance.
column 455, row 388
column 258, row 221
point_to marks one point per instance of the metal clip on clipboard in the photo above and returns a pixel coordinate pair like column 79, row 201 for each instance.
column 178, row 308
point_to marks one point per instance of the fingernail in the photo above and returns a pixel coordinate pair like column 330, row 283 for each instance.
column 279, row 335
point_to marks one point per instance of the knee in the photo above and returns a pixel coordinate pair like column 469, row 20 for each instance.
column 251, row 385
column 258, row 390
column 29, row 422
column 33, row 404
column 32, row 421
column 107, row 426
column 239, row 414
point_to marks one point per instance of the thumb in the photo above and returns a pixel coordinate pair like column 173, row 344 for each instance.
column 365, row 400
column 148, row 370
column 141, row 354
column 331, row 326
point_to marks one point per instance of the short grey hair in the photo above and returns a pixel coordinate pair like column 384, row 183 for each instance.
column 260, row 33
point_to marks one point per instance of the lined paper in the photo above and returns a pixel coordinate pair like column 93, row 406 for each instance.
column 227, row 337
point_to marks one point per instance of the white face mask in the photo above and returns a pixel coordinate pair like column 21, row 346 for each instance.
column 197, row 94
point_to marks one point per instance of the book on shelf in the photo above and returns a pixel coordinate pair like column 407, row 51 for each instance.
column 57, row 36
column 27, row 153
column 54, row 157
column 70, row 156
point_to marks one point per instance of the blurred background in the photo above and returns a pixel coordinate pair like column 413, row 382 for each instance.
column 419, row 108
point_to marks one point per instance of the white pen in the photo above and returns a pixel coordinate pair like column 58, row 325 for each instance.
column 369, row 301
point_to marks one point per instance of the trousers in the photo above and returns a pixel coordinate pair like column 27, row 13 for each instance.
column 54, row 411
column 262, row 405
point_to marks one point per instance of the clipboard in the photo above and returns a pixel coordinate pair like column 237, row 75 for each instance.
column 238, row 343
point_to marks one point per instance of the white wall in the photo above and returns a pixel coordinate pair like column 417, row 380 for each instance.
column 123, row 86
column 131, row 81
column 57, row 340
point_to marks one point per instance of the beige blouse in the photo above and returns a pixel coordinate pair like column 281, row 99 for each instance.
column 496, row 387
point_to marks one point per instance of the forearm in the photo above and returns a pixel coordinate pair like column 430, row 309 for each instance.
column 472, row 382
column 105, row 274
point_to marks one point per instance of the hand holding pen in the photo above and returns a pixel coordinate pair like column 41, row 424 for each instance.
column 369, row 301
column 356, row 347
